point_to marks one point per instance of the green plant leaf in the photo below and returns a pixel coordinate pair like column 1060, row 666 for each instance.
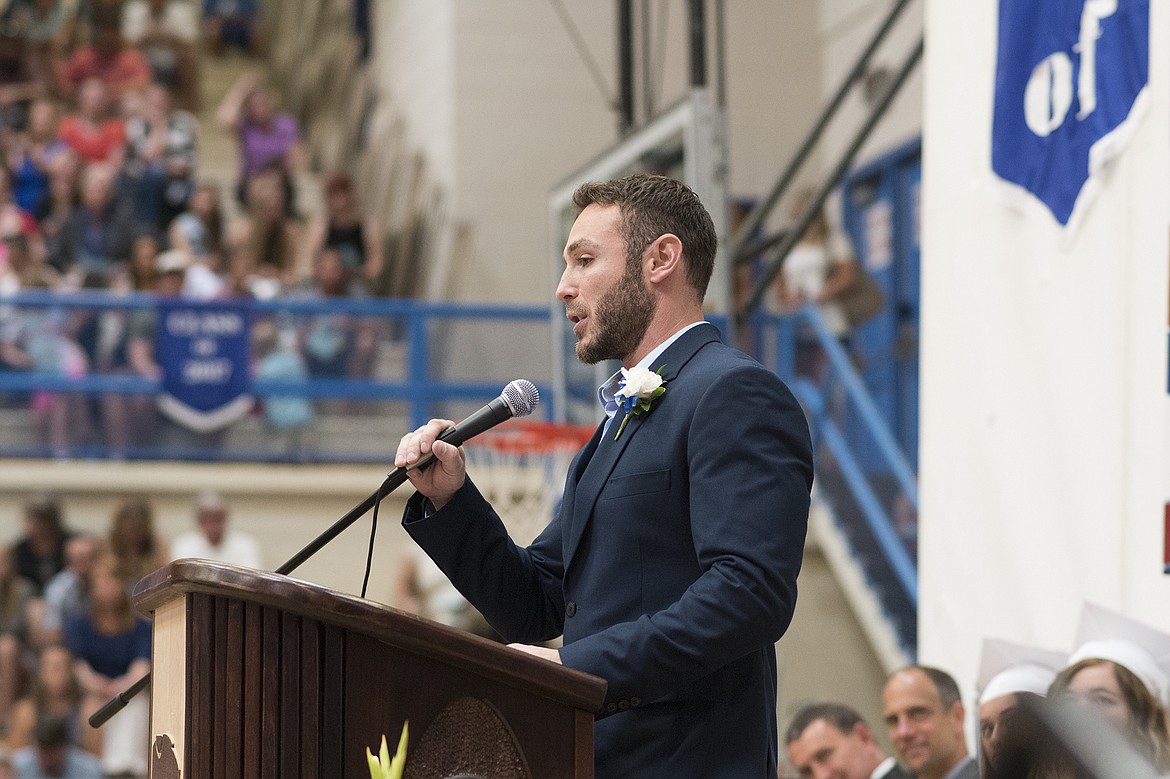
column 375, row 768
column 384, row 758
column 398, row 765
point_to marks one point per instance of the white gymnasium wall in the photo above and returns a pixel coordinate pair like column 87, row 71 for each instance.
column 1043, row 383
column 504, row 108
column 414, row 57
column 845, row 28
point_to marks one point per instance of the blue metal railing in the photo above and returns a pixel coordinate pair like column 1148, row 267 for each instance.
column 841, row 410
column 420, row 388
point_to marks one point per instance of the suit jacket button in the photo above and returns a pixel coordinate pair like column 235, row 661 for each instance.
column 635, row 701
column 623, row 705
column 570, row 609
column 611, row 707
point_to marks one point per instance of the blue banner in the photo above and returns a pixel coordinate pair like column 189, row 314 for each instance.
column 203, row 350
column 1069, row 76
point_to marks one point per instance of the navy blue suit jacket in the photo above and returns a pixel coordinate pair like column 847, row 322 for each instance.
column 670, row 568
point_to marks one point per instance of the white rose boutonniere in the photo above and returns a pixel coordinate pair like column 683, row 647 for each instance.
column 638, row 389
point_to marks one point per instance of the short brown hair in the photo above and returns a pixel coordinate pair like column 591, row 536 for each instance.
column 840, row 716
column 652, row 206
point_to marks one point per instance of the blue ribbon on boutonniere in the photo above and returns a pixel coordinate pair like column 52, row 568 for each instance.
column 638, row 389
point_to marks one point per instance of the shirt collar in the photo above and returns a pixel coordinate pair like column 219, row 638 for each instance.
column 883, row 768
column 606, row 392
column 958, row 767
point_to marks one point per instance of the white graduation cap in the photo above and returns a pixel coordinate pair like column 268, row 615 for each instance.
column 1140, row 648
column 1007, row 667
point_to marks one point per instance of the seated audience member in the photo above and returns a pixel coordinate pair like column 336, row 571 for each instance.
column 213, row 540
column 40, row 338
column 336, row 345
column 832, row 741
column 160, row 159
column 52, row 755
column 234, row 23
column 1026, row 747
column 20, row 269
column 276, row 357
column 142, row 272
column 167, row 34
column 15, row 221
column 55, row 692
column 40, row 552
column 136, row 547
column 64, row 178
column 31, row 154
column 119, row 67
column 268, row 140
column 91, row 131
column 1008, row 674
column 1118, row 671
column 111, row 647
column 51, row 27
column 19, row 84
column 924, row 716
column 67, row 593
column 355, row 236
column 198, row 231
column 422, row 588
column 16, row 594
column 98, row 232
column 266, row 245
column 105, row 337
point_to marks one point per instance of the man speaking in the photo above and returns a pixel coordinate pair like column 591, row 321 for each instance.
column 670, row 568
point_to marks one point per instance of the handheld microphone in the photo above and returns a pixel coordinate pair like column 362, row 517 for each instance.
column 518, row 399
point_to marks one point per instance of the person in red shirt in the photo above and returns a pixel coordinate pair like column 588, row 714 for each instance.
column 94, row 137
column 108, row 58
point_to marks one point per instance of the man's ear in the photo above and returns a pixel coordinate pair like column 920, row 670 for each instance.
column 663, row 258
column 958, row 714
column 862, row 731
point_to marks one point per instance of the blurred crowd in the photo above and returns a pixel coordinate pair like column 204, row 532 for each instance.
column 70, row 639
column 1099, row 710
column 100, row 189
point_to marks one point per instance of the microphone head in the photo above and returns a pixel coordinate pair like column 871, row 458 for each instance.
column 520, row 396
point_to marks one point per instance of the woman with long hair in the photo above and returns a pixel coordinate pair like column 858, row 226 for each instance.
column 1123, row 699
column 55, row 692
column 136, row 548
column 16, row 593
column 111, row 647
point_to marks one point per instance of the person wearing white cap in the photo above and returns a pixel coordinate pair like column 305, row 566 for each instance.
column 1120, row 669
column 1008, row 672
column 213, row 540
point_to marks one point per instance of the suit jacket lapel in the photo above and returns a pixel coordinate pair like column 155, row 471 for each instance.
column 594, row 471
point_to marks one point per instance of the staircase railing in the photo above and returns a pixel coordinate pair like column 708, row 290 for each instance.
column 861, row 470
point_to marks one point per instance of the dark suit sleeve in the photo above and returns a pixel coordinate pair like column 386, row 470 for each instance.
column 518, row 590
column 749, row 471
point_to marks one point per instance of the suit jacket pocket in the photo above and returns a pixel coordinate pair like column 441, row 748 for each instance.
column 636, row 484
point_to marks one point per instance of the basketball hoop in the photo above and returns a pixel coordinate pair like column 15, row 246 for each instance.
column 520, row 468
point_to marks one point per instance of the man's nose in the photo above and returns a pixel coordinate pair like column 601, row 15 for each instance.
column 566, row 291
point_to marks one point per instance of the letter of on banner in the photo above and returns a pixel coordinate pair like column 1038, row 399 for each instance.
column 1070, row 83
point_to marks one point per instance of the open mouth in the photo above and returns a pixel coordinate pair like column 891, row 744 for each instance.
column 578, row 322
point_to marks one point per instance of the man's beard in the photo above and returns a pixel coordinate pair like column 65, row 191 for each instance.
column 620, row 319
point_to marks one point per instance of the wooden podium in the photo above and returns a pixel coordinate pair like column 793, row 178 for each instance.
column 259, row 675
